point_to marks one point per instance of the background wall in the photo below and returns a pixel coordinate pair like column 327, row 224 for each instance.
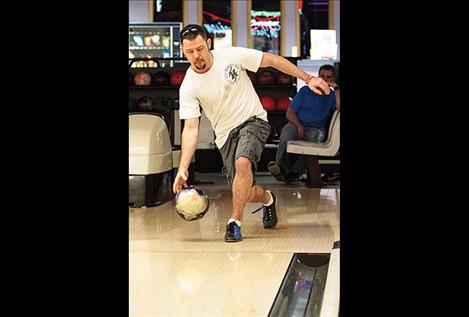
column 336, row 27
column 241, row 22
column 139, row 11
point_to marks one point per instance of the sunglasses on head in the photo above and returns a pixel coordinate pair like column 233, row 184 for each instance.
column 193, row 29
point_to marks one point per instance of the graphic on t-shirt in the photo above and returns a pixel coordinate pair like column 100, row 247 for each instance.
column 232, row 73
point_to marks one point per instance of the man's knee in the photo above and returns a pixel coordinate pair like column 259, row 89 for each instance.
column 243, row 165
column 288, row 132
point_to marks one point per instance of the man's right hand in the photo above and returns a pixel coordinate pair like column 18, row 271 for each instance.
column 181, row 180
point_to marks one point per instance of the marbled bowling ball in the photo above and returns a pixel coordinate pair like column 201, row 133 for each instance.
column 191, row 203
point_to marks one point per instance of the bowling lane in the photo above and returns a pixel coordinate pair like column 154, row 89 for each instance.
column 179, row 268
column 308, row 222
column 204, row 283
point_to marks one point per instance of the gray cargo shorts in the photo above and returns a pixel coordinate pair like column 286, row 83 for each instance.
column 247, row 139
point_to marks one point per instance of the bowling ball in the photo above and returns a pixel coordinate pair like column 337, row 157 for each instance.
column 191, row 203
column 283, row 103
column 142, row 78
column 265, row 77
column 284, row 79
column 268, row 103
column 160, row 78
column 177, row 77
column 147, row 40
column 145, row 104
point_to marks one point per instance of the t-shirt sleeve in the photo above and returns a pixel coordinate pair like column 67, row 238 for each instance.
column 298, row 100
column 248, row 58
column 189, row 106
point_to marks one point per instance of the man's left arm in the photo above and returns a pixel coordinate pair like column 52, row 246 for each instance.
column 316, row 84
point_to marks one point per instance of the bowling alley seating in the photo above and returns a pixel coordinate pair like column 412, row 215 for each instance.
column 330, row 147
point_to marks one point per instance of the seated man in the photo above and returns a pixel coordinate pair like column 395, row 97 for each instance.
column 308, row 117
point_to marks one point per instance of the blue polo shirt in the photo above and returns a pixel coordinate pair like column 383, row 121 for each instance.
column 313, row 110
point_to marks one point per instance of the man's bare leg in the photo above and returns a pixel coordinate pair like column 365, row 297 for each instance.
column 242, row 185
column 242, row 189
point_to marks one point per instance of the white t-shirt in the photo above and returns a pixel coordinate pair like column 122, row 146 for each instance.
column 225, row 92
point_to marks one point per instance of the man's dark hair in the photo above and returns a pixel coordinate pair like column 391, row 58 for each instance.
column 327, row 67
column 190, row 32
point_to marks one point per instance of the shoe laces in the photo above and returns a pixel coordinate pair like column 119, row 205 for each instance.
column 267, row 212
column 257, row 209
